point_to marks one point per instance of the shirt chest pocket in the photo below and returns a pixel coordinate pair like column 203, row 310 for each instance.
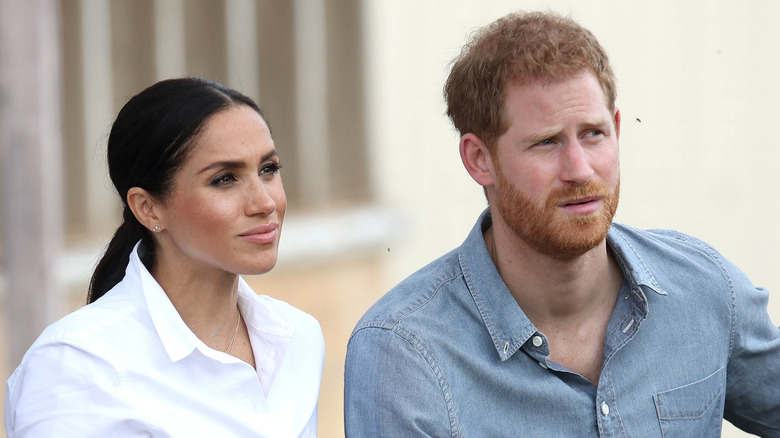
column 693, row 410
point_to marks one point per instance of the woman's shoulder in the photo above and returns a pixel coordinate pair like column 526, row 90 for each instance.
column 97, row 326
column 78, row 359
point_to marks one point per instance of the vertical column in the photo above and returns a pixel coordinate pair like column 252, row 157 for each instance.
column 242, row 49
column 169, row 39
column 133, row 57
column 311, row 100
column 205, row 36
column 276, row 70
column 346, row 102
column 30, row 153
column 98, row 107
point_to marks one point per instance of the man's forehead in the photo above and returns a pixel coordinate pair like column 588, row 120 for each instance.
column 548, row 81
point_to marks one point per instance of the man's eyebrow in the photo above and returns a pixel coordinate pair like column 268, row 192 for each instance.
column 228, row 164
column 542, row 136
column 596, row 123
column 550, row 133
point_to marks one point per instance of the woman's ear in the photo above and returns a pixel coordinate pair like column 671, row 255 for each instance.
column 145, row 208
column 477, row 160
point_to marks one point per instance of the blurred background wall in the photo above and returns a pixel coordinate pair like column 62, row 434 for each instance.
column 352, row 90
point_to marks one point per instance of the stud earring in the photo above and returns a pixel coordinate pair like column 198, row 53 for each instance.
column 157, row 229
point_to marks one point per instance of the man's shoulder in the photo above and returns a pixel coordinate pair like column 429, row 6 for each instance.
column 671, row 257
column 417, row 294
column 663, row 240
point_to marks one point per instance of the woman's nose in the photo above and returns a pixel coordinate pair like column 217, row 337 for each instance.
column 259, row 199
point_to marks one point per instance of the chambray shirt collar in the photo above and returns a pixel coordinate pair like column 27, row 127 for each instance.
column 635, row 271
column 508, row 325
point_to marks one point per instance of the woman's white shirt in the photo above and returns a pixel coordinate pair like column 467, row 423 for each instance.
column 127, row 365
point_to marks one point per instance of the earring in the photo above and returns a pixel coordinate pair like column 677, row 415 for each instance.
column 157, row 229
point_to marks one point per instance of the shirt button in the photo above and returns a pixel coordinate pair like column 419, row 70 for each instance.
column 537, row 340
column 605, row 409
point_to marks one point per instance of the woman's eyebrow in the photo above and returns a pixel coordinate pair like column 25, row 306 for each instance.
column 230, row 164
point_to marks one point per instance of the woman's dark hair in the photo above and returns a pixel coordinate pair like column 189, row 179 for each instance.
column 148, row 143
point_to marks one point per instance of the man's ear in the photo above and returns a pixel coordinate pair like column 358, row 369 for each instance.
column 477, row 160
column 617, row 122
column 145, row 208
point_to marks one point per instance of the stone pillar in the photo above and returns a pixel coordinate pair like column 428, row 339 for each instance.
column 31, row 209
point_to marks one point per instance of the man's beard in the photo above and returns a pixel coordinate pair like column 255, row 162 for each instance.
column 544, row 229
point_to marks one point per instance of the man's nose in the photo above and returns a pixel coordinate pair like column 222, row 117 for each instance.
column 575, row 164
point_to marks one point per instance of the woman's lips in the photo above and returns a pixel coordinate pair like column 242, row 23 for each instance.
column 261, row 235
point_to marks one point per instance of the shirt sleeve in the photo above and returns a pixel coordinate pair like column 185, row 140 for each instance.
column 753, row 392
column 65, row 391
column 393, row 387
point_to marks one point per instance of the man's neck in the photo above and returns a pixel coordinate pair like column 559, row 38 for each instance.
column 569, row 301
column 552, row 288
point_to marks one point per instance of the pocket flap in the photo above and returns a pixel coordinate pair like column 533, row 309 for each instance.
column 690, row 401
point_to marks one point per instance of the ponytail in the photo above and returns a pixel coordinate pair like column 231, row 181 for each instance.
column 111, row 268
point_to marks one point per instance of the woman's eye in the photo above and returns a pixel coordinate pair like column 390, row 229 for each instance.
column 271, row 168
column 223, row 180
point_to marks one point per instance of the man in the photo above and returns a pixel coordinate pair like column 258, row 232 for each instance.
column 550, row 320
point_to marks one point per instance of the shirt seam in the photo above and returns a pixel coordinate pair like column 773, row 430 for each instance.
column 84, row 347
column 422, row 349
column 414, row 307
column 480, row 303
column 718, row 260
column 624, row 267
column 616, row 407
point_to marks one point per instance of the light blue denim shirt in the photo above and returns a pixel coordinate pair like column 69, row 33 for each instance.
column 449, row 353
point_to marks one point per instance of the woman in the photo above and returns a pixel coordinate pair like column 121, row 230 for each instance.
column 173, row 342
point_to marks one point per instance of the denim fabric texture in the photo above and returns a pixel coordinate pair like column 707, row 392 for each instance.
column 449, row 353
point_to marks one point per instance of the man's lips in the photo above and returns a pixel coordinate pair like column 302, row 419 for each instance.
column 580, row 201
column 263, row 234
column 581, row 206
